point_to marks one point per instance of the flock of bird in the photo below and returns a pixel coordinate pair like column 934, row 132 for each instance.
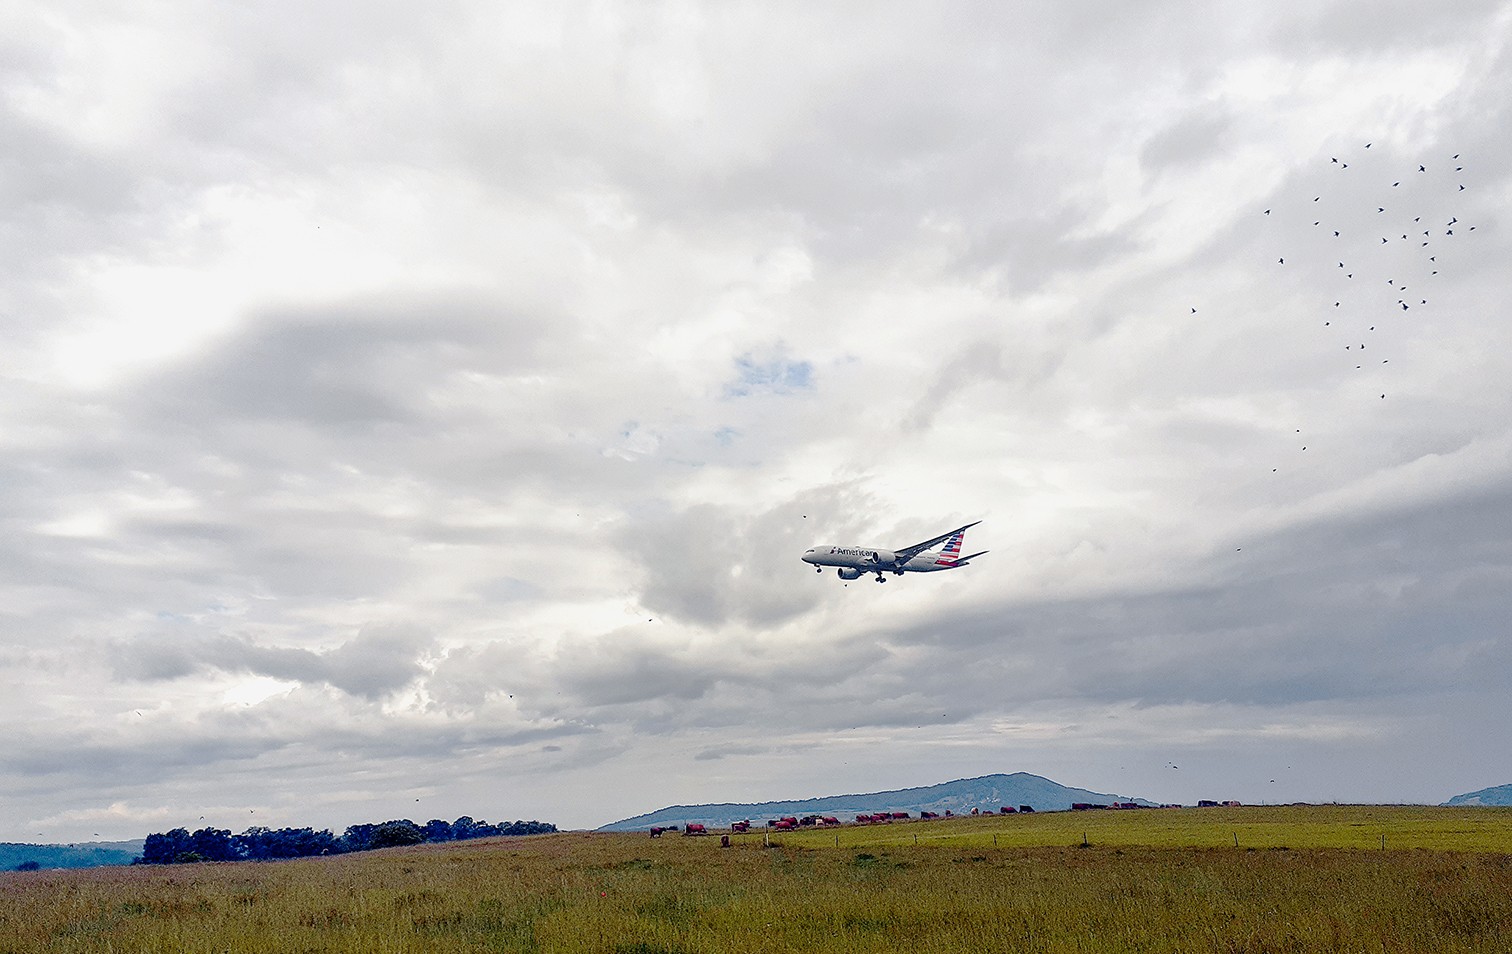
column 1374, row 244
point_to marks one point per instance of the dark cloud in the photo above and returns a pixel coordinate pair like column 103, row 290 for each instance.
column 729, row 751
column 619, row 669
column 1195, row 138
column 1029, row 253
column 1395, row 26
column 1023, row 369
column 94, row 756
column 362, row 366
column 378, row 661
column 465, row 678
column 732, row 565
column 53, row 183
column 1340, row 610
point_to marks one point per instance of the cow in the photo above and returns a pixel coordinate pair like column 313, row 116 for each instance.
column 694, row 828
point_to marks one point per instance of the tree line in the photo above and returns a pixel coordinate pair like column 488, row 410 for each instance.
column 181, row 846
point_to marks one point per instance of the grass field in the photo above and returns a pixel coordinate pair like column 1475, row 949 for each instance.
column 1287, row 826
column 1148, row 881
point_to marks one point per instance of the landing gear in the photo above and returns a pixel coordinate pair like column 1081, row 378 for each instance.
column 818, row 569
column 881, row 578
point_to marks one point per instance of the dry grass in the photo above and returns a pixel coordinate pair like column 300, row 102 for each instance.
column 629, row 894
column 1281, row 826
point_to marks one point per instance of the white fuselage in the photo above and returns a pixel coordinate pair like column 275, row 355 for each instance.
column 851, row 562
column 875, row 560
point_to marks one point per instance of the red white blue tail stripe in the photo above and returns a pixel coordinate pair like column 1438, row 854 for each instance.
column 950, row 553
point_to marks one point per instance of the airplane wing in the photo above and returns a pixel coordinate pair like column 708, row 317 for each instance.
column 908, row 553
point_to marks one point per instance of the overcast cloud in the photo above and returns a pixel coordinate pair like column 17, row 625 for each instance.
column 419, row 411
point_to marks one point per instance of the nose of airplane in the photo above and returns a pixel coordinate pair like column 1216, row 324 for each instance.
column 808, row 556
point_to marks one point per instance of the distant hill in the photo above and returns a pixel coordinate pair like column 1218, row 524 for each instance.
column 1496, row 795
column 988, row 794
column 89, row 854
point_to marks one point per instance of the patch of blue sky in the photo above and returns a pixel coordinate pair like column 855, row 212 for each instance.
column 777, row 376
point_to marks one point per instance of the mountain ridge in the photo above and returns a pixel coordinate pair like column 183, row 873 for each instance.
column 1495, row 795
column 959, row 796
column 84, row 854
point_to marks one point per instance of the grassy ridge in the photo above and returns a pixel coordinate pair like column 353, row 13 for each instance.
column 629, row 894
column 1285, row 826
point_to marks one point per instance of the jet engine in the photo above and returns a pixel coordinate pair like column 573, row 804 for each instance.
column 849, row 573
column 883, row 557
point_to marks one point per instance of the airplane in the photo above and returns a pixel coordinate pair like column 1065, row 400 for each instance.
column 852, row 562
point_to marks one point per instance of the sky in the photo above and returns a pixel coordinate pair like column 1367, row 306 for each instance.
column 418, row 410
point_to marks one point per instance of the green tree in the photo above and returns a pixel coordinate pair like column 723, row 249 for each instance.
column 391, row 834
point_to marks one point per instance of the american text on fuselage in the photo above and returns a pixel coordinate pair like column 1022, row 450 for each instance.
column 850, row 562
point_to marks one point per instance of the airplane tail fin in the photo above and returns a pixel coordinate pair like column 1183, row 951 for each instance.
column 950, row 553
column 967, row 559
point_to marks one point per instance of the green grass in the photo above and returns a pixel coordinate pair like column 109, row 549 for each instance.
column 876, row 892
column 1285, row 826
